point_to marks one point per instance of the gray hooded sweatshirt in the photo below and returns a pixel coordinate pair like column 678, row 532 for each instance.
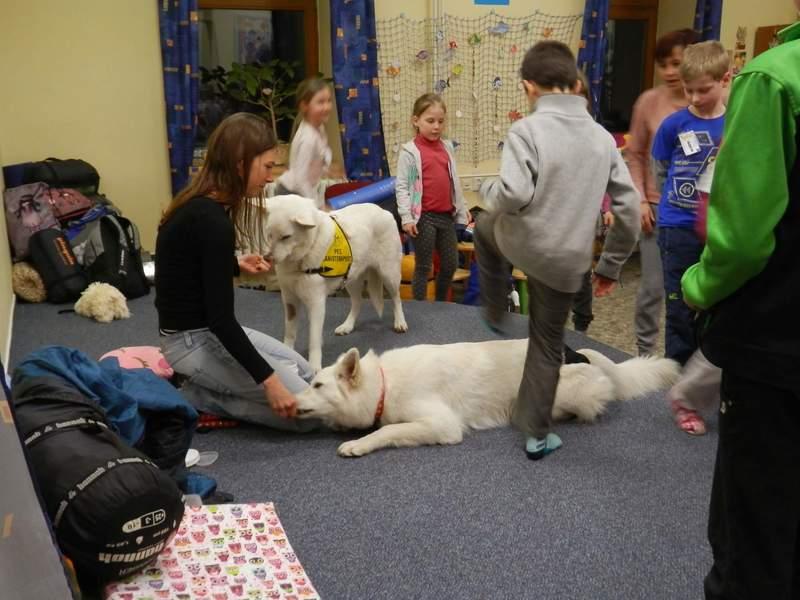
column 556, row 166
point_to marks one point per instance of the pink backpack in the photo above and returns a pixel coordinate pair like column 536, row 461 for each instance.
column 28, row 210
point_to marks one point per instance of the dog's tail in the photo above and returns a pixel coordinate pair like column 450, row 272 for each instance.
column 636, row 376
column 375, row 290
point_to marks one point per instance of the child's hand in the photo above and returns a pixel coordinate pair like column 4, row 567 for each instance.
column 603, row 286
column 410, row 229
column 254, row 264
column 608, row 219
column 648, row 221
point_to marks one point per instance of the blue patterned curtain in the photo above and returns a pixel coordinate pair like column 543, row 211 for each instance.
column 355, row 78
column 592, row 53
column 708, row 19
column 180, row 47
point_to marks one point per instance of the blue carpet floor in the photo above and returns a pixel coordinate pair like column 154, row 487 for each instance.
column 619, row 513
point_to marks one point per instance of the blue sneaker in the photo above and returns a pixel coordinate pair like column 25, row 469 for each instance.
column 536, row 448
column 495, row 328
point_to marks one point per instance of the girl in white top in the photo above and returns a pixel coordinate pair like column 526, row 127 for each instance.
column 310, row 154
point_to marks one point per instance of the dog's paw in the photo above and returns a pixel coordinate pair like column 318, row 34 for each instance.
column 400, row 327
column 352, row 448
column 343, row 329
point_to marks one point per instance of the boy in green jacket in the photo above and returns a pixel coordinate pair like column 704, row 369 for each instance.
column 748, row 279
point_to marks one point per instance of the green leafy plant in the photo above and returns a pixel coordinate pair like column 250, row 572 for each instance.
column 270, row 86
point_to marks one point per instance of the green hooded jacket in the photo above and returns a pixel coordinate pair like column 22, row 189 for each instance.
column 748, row 276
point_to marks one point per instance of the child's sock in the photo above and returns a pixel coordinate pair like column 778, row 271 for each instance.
column 536, row 448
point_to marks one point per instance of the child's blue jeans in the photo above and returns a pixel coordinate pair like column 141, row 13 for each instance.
column 680, row 249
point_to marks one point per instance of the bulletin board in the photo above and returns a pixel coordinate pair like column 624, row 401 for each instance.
column 473, row 63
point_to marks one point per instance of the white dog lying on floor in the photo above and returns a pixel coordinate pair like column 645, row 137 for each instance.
column 431, row 394
column 316, row 253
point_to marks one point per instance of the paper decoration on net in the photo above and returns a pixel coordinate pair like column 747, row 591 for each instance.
column 482, row 83
column 501, row 28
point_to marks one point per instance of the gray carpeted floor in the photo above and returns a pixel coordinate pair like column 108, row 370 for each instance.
column 618, row 513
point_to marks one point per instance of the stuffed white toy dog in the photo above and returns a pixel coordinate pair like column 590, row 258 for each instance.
column 102, row 302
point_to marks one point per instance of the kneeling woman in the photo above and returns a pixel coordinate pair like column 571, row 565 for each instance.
column 231, row 371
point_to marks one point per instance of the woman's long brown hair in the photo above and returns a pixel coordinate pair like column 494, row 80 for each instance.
column 233, row 145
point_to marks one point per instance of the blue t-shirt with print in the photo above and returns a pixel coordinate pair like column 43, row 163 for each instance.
column 679, row 198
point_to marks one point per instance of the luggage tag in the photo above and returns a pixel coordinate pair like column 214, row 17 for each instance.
column 689, row 143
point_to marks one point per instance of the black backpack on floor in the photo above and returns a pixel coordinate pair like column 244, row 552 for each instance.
column 112, row 509
column 52, row 257
column 70, row 173
column 110, row 251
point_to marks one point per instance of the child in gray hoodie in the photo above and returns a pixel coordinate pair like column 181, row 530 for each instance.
column 540, row 216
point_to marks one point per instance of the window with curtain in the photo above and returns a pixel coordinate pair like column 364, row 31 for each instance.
column 271, row 40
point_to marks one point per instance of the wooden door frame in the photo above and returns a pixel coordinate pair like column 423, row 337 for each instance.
column 308, row 8
column 640, row 10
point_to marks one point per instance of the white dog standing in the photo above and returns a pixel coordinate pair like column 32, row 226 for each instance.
column 432, row 394
column 316, row 253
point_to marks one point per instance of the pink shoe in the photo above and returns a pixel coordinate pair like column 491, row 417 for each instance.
column 688, row 420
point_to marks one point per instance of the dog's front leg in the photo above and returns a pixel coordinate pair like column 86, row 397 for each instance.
column 397, row 435
column 316, row 320
column 291, row 308
column 354, row 289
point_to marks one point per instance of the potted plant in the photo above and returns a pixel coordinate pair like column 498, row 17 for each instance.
column 269, row 87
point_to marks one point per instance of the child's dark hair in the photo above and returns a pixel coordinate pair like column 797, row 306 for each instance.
column 308, row 88
column 425, row 101
column 674, row 39
column 550, row 64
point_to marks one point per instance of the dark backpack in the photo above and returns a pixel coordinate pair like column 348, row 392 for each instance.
column 52, row 257
column 28, row 210
column 71, row 173
column 110, row 251
column 112, row 509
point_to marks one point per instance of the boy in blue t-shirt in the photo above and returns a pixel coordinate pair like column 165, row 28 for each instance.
column 684, row 150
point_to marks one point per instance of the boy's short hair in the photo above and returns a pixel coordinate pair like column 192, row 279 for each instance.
column 674, row 39
column 706, row 58
column 550, row 64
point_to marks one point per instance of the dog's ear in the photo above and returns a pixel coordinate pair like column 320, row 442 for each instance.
column 304, row 219
column 349, row 368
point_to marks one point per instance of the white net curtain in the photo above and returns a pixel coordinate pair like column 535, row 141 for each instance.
column 472, row 62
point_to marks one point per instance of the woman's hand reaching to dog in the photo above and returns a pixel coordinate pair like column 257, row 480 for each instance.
column 254, row 264
column 280, row 400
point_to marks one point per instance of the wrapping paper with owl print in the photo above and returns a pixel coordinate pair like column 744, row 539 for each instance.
column 222, row 552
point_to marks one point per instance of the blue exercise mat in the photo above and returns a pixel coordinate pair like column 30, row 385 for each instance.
column 374, row 192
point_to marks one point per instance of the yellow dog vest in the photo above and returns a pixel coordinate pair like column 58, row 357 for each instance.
column 338, row 257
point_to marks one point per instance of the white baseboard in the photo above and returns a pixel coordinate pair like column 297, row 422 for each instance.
column 7, row 349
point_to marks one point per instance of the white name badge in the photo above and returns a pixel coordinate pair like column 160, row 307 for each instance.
column 689, row 142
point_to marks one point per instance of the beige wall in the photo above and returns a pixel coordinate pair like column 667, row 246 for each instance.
column 6, row 295
column 752, row 15
column 326, row 68
column 82, row 79
column 420, row 9
column 677, row 14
